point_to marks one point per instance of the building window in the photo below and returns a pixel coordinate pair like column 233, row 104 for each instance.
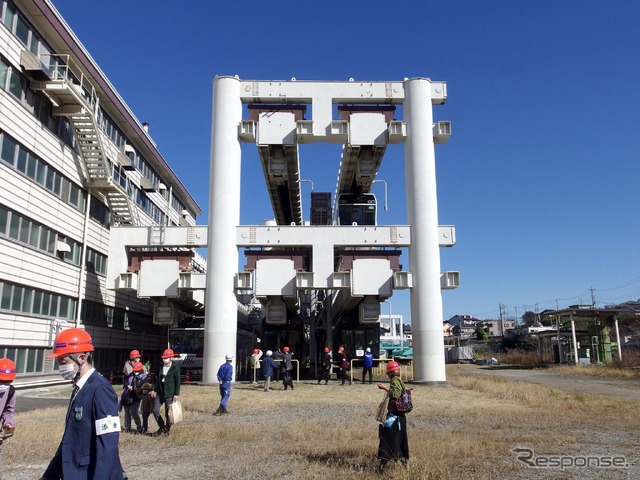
column 18, row 298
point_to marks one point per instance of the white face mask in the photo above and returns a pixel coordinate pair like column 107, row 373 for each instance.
column 166, row 361
column 4, row 387
column 68, row 371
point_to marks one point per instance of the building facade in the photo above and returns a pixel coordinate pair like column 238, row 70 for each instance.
column 74, row 162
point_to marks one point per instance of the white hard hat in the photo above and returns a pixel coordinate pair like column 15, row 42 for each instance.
column 228, row 356
column 368, row 350
column 269, row 353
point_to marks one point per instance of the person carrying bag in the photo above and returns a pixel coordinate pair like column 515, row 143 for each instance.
column 392, row 431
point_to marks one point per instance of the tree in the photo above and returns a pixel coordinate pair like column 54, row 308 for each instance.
column 481, row 333
column 529, row 319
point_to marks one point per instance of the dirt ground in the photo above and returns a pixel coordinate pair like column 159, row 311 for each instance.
column 250, row 440
column 618, row 387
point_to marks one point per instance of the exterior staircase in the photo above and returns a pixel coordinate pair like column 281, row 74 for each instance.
column 75, row 98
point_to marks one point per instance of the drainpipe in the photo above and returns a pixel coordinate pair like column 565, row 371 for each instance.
column 83, row 259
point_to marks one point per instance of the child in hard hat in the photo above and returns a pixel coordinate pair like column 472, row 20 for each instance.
column 146, row 405
column 7, row 401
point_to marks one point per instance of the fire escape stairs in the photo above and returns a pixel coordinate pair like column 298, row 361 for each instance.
column 75, row 98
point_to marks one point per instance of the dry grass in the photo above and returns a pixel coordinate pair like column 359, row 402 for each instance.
column 466, row 430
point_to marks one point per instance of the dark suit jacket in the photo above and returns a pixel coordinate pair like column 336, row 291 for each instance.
column 89, row 446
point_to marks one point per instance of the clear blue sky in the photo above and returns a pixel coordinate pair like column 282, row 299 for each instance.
column 540, row 177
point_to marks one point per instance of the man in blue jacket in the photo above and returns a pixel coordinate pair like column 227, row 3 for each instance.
column 268, row 367
column 367, row 366
column 89, row 446
column 225, row 376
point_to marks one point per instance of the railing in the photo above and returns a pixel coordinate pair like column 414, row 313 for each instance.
column 62, row 67
column 406, row 371
column 255, row 369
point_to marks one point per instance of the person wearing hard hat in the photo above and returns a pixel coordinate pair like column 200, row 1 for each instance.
column 268, row 367
column 127, row 369
column 225, row 376
column 165, row 390
column 89, row 445
column 325, row 366
column 7, row 401
column 130, row 398
column 255, row 363
column 343, row 363
column 367, row 365
column 287, row 368
column 394, row 442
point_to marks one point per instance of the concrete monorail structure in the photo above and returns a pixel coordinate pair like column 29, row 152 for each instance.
column 366, row 125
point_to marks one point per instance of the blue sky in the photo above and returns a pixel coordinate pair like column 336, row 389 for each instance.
column 541, row 174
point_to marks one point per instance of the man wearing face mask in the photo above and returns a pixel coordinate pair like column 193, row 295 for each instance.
column 89, row 446
column 166, row 389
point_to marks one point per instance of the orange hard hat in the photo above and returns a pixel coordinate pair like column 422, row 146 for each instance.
column 72, row 340
column 137, row 366
column 168, row 353
column 255, row 351
column 285, row 349
column 341, row 349
column 134, row 354
column 326, row 349
column 393, row 367
column 7, row 370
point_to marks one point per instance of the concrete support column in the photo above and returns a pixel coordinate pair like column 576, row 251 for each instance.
column 221, row 311
column 424, row 252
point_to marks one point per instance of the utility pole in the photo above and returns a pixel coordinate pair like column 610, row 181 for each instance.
column 501, row 324
column 558, row 333
column 593, row 298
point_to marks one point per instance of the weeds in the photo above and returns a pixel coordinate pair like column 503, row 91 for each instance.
column 317, row 432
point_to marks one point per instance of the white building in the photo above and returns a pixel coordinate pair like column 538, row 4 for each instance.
column 74, row 160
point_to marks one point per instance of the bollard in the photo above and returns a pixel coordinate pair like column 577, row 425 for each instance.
column 187, row 378
column 111, row 377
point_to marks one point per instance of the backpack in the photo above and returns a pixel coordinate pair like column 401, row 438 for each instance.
column 403, row 404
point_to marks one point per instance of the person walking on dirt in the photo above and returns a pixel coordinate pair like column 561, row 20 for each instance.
column 268, row 367
column 394, row 442
column 166, row 389
column 225, row 376
column 89, row 446
column 130, row 399
column 367, row 365
column 287, row 368
column 343, row 363
column 7, row 402
column 325, row 366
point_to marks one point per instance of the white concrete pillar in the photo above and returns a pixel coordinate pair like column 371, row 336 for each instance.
column 424, row 252
column 221, row 311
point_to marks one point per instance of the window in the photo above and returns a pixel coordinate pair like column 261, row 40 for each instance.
column 16, row 85
column 6, row 297
column 22, row 30
column 26, row 300
column 9, row 15
column 16, row 300
column 3, row 220
column 8, row 150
